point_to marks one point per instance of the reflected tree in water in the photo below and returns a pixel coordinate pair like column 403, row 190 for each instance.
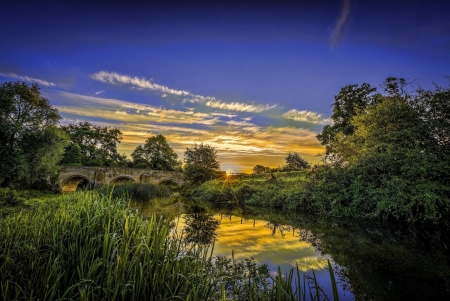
column 200, row 228
column 274, row 226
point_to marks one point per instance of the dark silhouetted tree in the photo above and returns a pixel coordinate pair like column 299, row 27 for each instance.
column 156, row 154
column 201, row 163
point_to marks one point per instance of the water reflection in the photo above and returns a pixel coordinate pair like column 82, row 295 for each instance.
column 372, row 261
column 200, row 227
column 267, row 242
column 283, row 229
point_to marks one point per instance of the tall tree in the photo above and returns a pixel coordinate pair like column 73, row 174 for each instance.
column 156, row 154
column 201, row 163
column 98, row 145
column 31, row 144
column 347, row 103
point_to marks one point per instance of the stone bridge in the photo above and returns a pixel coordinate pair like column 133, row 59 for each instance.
column 71, row 178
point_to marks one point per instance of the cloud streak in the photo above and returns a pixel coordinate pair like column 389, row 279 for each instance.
column 338, row 30
column 307, row 116
column 115, row 78
column 238, row 106
column 28, row 79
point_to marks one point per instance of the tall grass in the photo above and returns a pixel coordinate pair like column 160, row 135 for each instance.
column 93, row 247
column 137, row 191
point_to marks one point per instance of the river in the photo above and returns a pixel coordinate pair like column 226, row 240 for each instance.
column 372, row 261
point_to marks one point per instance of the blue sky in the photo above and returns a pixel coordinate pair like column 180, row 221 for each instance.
column 254, row 80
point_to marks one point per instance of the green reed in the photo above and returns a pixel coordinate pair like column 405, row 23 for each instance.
column 93, row 247
column 141, row 192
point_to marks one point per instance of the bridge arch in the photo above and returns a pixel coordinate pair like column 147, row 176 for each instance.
column 74, row 183
column 122, row 179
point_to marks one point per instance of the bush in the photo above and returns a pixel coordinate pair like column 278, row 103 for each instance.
column 9, row 198
column 211, row 192
column 245, row 192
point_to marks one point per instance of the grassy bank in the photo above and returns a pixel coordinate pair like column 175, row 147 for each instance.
column 285, row 190
column 89, row 246
column 12, row 201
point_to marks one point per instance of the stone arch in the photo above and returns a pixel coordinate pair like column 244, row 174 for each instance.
column 122, row 180
column 71, row 184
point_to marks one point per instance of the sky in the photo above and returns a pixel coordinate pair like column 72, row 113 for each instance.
column 255, row 80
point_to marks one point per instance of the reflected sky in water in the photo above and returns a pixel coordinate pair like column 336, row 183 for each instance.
column 256, row 238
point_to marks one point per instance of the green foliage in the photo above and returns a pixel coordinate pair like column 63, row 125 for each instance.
column 215, row 192
column 98, row 145
column 295, row 162
column 393, row 163
column 137, row 191
column 31, row 144
column 348, row 102
column 286, row 193
column 245, row 192
column 9, row 197
column 72, row 155
column 201, row 163
column 259, row 170
column 155, row 154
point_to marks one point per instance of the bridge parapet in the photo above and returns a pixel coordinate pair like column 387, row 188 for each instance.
column 71, row 177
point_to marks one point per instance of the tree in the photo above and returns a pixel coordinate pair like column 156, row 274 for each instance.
column 31, row 144
column 155, row 154
column 98, row 145
column 259, row 169
column 294, row 161
column 201, row 163
column 72, row 155
column 347, row 103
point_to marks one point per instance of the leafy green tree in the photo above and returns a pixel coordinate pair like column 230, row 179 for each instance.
column 201, row 163
column 155, row 154
column 98, row 145
column 72, row 155
column 347, row 103
column 31, row 144
column 294, row 161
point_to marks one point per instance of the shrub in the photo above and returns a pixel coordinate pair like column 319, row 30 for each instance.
column 9, row 197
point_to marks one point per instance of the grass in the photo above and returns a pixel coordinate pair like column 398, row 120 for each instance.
column 140, row 192
column 91, row 246
column 12, row 201
column 284, row 191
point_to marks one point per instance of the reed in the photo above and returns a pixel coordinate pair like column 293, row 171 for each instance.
column 93, row 247
column 137, row 191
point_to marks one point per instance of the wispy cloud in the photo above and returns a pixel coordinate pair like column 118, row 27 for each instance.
column 28, row 79
column 124, row 111
column 116, row 78
column 307, row 116
column 142, row 83
column 339, row 28
column 239, row 106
